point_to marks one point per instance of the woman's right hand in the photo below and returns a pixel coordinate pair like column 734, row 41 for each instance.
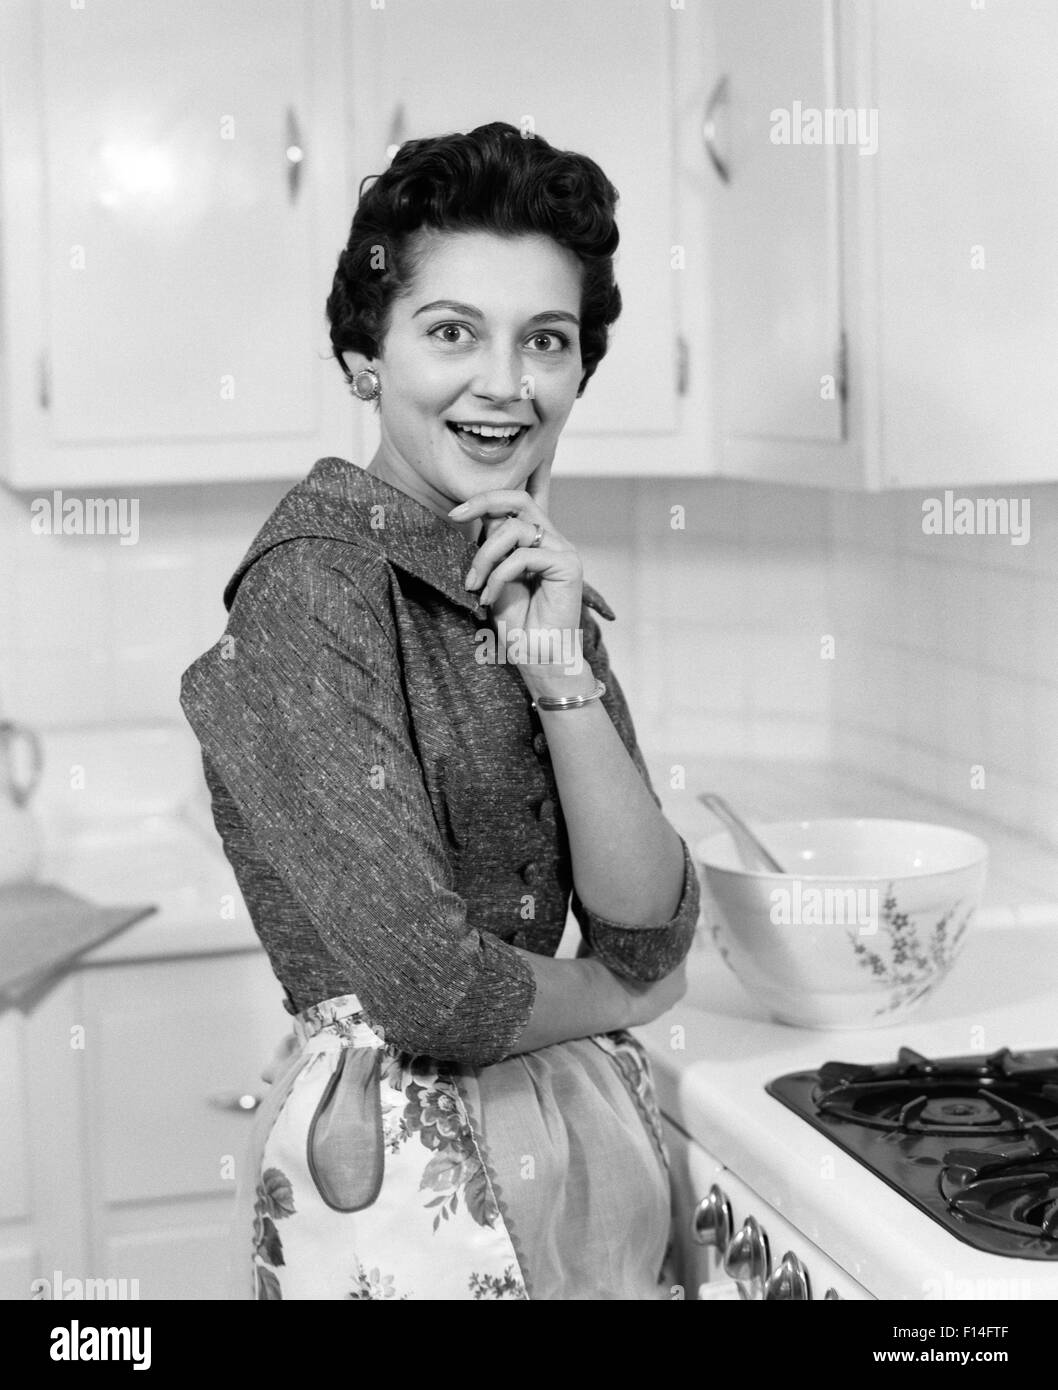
column 649, row 1000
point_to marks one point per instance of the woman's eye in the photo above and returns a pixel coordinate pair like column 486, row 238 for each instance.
column 449, row 328
column 552, row 341
column 559, row 338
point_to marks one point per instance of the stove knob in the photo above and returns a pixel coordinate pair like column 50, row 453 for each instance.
column 746, row 1258
column 790, row 1280
column 711, row 1223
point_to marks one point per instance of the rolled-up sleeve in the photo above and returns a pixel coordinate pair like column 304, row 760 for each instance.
column 636, row 950
column 300, row 708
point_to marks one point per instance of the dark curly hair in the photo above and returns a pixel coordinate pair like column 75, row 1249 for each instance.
column 493, row 179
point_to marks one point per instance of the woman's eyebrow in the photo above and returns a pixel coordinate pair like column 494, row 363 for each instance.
column 471, row 312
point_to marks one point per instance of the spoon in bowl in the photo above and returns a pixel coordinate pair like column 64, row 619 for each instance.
column 753, row 854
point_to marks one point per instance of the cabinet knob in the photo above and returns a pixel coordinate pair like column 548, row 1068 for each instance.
column 295, row 154
column 243, row 1101
column 789, row 1282
column 711, row 1222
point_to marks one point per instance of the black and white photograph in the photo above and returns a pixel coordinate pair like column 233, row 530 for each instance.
column 529, row 662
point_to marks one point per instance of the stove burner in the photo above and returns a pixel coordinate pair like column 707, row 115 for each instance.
column 1013, row 1189
column 946, row 1110
column 986, row 1096
column 998, row 1190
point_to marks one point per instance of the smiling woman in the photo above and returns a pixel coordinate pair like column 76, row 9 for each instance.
column 540, row 222
column 460, row 1114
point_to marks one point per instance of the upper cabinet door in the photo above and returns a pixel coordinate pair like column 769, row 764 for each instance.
column 967, row 228
column 774, row 195
column 173, row 207
column 595, row 77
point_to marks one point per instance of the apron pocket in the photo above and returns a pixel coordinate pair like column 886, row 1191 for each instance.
column 346, row 1153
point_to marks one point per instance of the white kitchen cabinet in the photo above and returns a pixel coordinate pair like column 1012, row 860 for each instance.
column 19, row 1238
column 177, row 1043
column 966, row 197
column 603, row 78
column 172, row 205
column 778, row 292
column 885, row 318
column 134, row 1123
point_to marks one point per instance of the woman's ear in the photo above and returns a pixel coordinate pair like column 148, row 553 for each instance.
column 356, row 362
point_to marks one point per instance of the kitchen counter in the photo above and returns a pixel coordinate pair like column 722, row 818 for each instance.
column 1022, row 883
column 141, row 831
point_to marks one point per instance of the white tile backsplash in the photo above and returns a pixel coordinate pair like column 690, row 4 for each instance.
column 946, row 648
column 966, row 626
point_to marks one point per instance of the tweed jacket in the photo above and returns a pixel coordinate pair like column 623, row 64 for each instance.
column 384, row 796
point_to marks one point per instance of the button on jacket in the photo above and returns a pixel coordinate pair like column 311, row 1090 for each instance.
column 385, row 797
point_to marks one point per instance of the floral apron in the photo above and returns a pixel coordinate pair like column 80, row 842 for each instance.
column 376, row 1174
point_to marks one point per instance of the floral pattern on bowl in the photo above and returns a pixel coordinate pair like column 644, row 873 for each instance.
column 917, row 958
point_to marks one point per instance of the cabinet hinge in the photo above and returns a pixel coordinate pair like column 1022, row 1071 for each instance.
column 682, row 365
column 44, row 381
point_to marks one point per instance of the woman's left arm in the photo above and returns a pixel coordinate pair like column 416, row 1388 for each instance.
column 628, row 862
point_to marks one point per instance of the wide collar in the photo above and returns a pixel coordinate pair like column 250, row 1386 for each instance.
column 341, row 501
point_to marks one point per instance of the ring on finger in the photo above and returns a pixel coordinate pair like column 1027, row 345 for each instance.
column 538, row 537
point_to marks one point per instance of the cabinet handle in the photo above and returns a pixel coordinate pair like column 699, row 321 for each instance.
column 717, row 98
column 294, row 153
column 245, row 1102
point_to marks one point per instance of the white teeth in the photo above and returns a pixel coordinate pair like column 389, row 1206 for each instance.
column 491, row 431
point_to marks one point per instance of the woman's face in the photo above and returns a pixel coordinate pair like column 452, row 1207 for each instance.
column 488, row 336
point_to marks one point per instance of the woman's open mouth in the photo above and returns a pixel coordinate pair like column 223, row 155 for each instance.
column 487, row 443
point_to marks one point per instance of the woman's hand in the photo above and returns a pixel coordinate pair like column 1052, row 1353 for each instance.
column 531, row 590
column 649, row 1001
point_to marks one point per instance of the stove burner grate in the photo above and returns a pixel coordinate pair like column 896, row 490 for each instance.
column 990, row 1097
column 998, row 1189
column 1013, row 1189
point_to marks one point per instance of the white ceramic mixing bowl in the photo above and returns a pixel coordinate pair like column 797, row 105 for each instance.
column 865, row 922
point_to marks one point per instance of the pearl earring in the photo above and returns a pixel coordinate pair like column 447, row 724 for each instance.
column 372, row 390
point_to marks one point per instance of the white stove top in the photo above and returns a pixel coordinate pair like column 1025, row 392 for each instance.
column 1002, row 992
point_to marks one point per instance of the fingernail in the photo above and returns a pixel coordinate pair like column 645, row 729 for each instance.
column 458, row 511
column 471, row 579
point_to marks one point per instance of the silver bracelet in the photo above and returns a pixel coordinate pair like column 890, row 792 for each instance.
column 569, row 701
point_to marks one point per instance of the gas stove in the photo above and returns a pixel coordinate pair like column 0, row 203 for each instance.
column 922, row 1172
column 971, row 1141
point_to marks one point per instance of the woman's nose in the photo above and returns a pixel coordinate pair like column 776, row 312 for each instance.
column 501, row 374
